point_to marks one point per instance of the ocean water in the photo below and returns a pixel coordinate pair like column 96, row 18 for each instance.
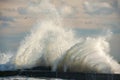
column 51, row 44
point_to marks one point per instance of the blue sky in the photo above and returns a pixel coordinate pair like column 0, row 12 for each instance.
column 17, row 17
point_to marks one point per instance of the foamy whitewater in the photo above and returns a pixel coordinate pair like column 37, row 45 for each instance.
column 51, row 44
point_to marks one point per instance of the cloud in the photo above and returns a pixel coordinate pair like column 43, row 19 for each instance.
column 4, row 0
column 43, row 7
column 4, row 25
column 38, row 6
column 67, row 10
column 118, row 3
column 7, row 18
column 98, row 8
column 114, row 24
column 22, row 10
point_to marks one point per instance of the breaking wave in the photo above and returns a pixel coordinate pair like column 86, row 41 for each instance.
column 51, row 44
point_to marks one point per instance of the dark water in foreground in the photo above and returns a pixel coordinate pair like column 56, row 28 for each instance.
column 44, row 73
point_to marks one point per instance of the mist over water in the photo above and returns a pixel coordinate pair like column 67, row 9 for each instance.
column 6, row 61
column 51, row 44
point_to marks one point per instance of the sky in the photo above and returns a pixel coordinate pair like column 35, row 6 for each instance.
column 17, row 17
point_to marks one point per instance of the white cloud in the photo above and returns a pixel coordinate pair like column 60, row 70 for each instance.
column 98, row 7
column 67, row 11
column 39, row 6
